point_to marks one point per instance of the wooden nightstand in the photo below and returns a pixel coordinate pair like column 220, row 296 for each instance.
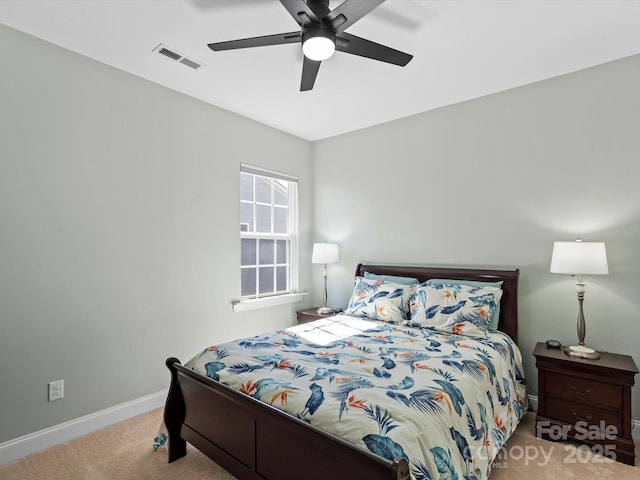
column 311, row 314
column 588, row 401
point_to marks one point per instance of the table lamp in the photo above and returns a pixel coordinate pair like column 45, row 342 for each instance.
column 325, row 253
column 580, row 258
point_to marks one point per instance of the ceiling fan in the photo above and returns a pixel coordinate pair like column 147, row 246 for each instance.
column 322, row 32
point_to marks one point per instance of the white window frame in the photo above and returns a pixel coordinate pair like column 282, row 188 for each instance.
column 292, row 295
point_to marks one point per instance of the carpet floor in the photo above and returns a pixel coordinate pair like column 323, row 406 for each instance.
column 123, row 451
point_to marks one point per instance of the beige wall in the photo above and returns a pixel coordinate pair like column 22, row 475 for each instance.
column 495, row 181
column 118, row 231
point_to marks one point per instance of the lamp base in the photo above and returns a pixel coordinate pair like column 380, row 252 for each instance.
column 580, row 351
column 325, row 310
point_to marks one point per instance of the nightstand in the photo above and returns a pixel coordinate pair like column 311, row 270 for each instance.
column 588, row 401
column 311, row 314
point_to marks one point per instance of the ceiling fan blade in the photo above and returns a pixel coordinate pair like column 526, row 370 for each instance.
column 278, row 39
column 306, row 13
column 309, row 73
column 349, row 12
column 366, row 48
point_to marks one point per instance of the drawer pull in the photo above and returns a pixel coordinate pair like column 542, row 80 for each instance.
column 586, row 419
column 586, row 392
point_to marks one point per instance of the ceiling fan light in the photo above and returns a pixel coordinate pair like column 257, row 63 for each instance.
column 318, row 44
column 318, row 48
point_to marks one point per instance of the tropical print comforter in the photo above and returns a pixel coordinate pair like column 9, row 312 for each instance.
column 446, row 403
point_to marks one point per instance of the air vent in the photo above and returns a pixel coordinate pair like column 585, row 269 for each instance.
column 168, row 53
column 178, row 57
column 190, row 63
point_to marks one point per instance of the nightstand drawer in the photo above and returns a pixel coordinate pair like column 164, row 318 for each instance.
column 584, row 390
column 571, row 413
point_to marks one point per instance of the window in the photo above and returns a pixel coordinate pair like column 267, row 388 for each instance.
column 268, row 231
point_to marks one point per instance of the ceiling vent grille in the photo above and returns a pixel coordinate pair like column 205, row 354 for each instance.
column 178, row 57
column 190, row 63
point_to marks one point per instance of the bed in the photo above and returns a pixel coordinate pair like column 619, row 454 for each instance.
column 249, row 433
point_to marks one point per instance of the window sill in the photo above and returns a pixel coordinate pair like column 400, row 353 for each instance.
column 243, row 305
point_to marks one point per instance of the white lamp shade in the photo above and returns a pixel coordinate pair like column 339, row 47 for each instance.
column 325, row 253
column 579, row 258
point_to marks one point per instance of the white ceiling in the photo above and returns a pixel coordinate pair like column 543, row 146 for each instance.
column 462, row 50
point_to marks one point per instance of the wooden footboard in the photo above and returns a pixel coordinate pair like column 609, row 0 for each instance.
column 253, row 440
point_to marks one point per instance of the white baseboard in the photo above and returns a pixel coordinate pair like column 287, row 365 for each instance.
column 49, row 437
column 635, row 432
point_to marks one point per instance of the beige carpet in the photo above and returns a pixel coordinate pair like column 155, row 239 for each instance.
column 124, row 451
column 555, row 460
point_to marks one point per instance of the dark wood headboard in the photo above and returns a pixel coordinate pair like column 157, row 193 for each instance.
column 508, row 322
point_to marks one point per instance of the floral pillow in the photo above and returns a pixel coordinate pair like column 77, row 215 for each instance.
column 458, row 309
column 495, row 316
column 380, row 300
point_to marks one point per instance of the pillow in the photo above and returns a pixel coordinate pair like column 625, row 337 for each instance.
column 392, row 278
column 495, row 316
column 459, row 309
column 380, row 300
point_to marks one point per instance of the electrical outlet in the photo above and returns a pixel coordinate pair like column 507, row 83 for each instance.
column 56, row 390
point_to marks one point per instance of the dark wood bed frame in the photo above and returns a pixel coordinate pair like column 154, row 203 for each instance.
column 255, row 441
